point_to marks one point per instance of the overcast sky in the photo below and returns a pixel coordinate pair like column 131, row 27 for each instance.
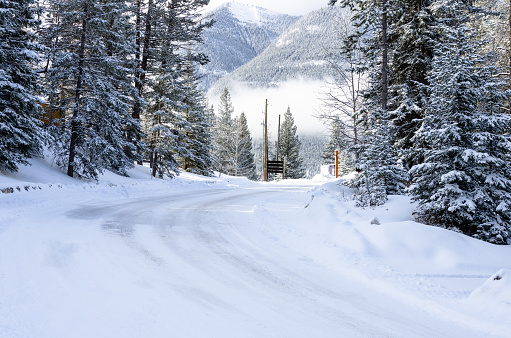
column 293, row 7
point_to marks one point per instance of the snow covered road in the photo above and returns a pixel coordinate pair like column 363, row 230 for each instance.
column 216, row 262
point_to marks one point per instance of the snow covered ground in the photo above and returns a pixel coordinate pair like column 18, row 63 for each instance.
column 226, row 257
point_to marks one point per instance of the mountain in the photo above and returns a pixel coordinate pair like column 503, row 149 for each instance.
column 240, row 33
column 300, row 51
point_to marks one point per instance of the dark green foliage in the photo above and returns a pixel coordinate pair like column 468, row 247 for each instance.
column 198, row 135
column 172, row 30
column 20, row 129
column 412, row 41
column 289, row 147
column 90, row 79
column 244, row 164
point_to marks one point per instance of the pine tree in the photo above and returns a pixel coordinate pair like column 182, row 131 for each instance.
column 224, row 127
column 171, row 30
column 90, row 77
column 400, row 56
column 199, row 136
column 20, row 129
column 412, row 42
column 338, row 142
column 243, row 164
column 379, row 172
column 465, row 181
column 165, row 126
column 289, row 147
column 232, row 141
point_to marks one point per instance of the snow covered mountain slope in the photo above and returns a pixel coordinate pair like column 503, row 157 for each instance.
column 240, row 33
column 299, row 52
column 226, row 257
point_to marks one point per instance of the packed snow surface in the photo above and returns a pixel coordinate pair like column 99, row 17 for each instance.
column 226, row 257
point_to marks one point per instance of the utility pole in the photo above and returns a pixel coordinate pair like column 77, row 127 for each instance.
column 278, row 141
column 265, row 157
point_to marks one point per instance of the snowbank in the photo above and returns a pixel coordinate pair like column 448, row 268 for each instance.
column 294, row 251
column 494, row 296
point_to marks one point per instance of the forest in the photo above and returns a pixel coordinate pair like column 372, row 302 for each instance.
column 104, row 85
column 419, row 104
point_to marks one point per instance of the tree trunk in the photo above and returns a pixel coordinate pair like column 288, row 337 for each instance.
column 76, row 111
column 138, row 84
column 384, row 94
column 145, row 49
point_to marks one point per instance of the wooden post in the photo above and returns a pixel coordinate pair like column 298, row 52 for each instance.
column 337, row 164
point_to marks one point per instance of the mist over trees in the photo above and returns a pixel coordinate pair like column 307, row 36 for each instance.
column 299, row 51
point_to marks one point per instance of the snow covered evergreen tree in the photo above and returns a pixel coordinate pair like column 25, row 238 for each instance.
column 464, row 183
column 224, row 127
column 20, row 128
column 167, row 40
column 243, row 164
column 402, row 59
column 289, row 147
column 90, row 77
column 199, row 138
column 166, row 125
column 232, row 140
column 312, row 147
column 411, row 47
column 379, row 172
column 337, row 142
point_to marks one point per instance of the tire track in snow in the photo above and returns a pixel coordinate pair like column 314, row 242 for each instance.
column 216, row 237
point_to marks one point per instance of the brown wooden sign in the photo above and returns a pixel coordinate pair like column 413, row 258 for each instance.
column 276, row 167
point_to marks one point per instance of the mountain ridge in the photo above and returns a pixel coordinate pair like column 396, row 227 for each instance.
column 239, row 34
column 301, row 51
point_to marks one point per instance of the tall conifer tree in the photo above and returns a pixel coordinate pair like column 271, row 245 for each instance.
column 289, row 147
column 171, row 28
column 224, row 127
column 412, row 42
column 198, row 135
column 379, row 173
column 20, row 129
column 243, row 164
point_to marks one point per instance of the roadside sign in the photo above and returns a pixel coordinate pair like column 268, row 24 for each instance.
column 276, row 167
